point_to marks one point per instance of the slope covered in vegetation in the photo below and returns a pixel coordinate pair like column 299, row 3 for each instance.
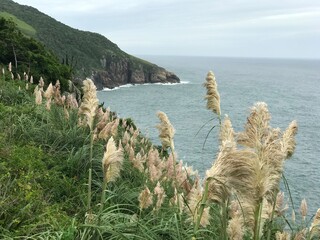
column 29, row 57
column 85, row 52
column 80, row 172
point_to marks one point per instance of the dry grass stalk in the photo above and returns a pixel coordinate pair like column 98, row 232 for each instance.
column 155, row 165
column 212, row 97
column 112, row 162
column 315, row 226
column 170, row 166
column 106, row 131
column 66, row 113
column 293, row 216
column 25, row 76
column 177, row 200
column 103, row 120
column 89, row 103
column 194, row 201
column 160, row 193
column 301, row 235
column 304, row 209
column 235, row 228
column 138, row 161
column 57, row 94
column 48, row 94
column 280, row 207
column 226, row 131
column 257, row 126
column 233, row 169
column 41, row 83
column 38, row 95
column 252, row 172
column 145, row 198
column 166, row 131
column 283, row 236
column 125, row 138
column 114, row 128
column 288, row 142
column 154, row 173
column 71, row 102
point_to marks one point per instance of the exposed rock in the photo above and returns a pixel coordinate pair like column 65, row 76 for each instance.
column 124, row 71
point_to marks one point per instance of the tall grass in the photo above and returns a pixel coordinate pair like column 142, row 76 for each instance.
column 127, row 188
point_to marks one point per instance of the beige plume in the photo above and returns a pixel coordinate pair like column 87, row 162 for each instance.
column 315, row 226
column 89, row 103
column 257, row 126
column 145, row 198
column 38, row 95
column 160, row 193
column 194, row 202
column 235, row 229
column 283, row 236
column 48, row 94
column 304, row 209
column 288, row 140
column 166, row 131
column 112, row 162
column 212, row 97
column 232, row 170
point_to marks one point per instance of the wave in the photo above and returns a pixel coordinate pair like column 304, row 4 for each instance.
column 144, row 84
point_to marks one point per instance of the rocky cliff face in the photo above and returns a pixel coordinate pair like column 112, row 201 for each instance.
column 123, row 71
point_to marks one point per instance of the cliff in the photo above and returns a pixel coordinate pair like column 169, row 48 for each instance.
column 123, row 71
column 86, row 53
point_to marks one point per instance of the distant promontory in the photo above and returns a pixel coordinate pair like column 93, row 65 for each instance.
column 88, row 54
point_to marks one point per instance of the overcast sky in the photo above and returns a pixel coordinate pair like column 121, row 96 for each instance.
column 245, row 28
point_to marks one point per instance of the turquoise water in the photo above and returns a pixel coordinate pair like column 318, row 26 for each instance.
column 291, row 88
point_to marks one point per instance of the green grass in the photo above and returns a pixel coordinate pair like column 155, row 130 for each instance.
column 24, row 27
column 44, row 163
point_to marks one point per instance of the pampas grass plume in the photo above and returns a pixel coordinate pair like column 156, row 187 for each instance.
column 41, row 83
column 315, row 226
column 288, row 140
column 89, row 103
column 49, row 92
column 160, row 193
column 257, row 126
column 166, row 131
column 304, row 209
column 194, row 203
column 235, row 229
column 112, row 162
column 212, row 97
column 145, row 198
column 282, row 236
column 38, row 95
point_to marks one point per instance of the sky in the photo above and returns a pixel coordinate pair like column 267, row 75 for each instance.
column 228, row 28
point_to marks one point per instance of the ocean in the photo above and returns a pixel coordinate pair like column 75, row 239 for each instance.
column 291, row 88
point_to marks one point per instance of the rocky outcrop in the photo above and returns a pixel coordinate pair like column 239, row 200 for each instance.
column 123, row 71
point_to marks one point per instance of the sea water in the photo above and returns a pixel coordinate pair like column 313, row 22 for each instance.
column 291, row 88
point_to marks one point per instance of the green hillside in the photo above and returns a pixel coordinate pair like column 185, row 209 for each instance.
column 22, row 26
column 28, row 55
column 83, row 50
